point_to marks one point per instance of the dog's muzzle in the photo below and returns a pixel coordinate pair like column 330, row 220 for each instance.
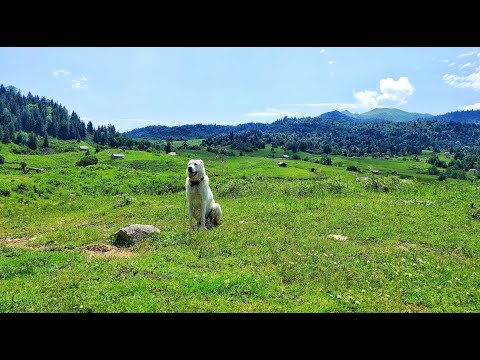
column 191, row 174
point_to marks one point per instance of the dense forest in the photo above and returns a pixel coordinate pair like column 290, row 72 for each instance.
column 355, row 139
column 375, row 120
column 22, row 118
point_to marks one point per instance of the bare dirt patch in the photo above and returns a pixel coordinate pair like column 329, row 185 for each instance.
column 17, row 242
column 337, row 237
column 107, row 251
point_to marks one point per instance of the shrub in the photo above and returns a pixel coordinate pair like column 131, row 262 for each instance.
column 325, row 160
column 4, row 192
column 124, row 200
column 87, row 160
column 352, row 168
column 442, row 177
column 433, row 170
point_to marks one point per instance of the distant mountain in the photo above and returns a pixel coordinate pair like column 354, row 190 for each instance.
column 184, row 132
column 299, row 125
column 348, row 113
column 467, row 116
column 388, row 114
column 337, row 115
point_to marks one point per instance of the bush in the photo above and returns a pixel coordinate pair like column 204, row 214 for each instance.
column 442, row 177
column 87, row 160
column 325, row 160
column 433, row 170
column 352, row 168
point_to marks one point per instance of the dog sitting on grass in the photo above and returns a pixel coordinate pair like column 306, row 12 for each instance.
column 201, row 205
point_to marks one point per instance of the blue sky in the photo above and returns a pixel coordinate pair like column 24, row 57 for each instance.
column 132, row 87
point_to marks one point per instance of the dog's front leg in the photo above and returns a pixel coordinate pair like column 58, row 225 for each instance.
column 190, row 214
column 203, row 213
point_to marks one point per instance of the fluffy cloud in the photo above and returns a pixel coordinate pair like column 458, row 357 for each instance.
column 392, row 91
column 79, row 83
column 60, row 72
column 270, row 112
column 468, row 64
column 367, row 98
column 471, row 81
column 471, row 107
column 470, row 53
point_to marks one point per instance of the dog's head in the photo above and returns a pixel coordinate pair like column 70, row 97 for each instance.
column 195, row 170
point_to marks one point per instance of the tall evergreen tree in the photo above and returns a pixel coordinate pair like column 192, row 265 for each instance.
column 90, row 127
column 32, row 141
column 45, row 141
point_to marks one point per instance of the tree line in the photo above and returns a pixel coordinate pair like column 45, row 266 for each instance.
column 23, row 118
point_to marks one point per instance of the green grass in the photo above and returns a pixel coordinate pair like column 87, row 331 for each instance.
column 412, row 242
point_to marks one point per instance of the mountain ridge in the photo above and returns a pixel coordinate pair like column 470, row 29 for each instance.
column 293, row 124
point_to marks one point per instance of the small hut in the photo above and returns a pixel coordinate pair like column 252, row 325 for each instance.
column 117, row 156
column 375, row 171
column 173, row 153
column 83, row 148
column 282, row 164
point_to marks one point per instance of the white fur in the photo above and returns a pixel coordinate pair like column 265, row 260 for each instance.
column 201, row 204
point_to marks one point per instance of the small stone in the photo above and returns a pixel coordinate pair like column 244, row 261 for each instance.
column 131, row 234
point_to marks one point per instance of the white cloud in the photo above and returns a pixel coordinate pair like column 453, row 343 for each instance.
column 78, row 85
column 331, row 62
column 322, row 51
column 270, row 112
column 470, row 107
column 326, row 105
column 468, row 64
column 451, row 64
column 470, row 81
column 367, row 98
column 392, row 91
column 470, row 53
column 395, row 90
column 60, row 72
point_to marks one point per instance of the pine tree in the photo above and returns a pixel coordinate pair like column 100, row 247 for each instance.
column 168, row 147
column 45, row 142
column 32, row 141
column 90, row 127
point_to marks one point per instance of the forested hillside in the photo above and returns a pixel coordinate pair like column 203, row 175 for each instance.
column 24, row 117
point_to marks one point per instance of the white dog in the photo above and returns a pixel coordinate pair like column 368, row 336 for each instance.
column 201, row 205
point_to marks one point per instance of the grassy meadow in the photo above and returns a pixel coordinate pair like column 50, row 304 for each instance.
column 303, row 238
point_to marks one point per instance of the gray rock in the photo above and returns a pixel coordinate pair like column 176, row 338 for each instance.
column 133, row 233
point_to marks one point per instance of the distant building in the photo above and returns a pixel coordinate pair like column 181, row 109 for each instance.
column 173, row 153
column 117, row 156
column 282, row 164
column 83, row 148
column 473, row 170
column 285, row 156
column 447, row 154
column 375, row 171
